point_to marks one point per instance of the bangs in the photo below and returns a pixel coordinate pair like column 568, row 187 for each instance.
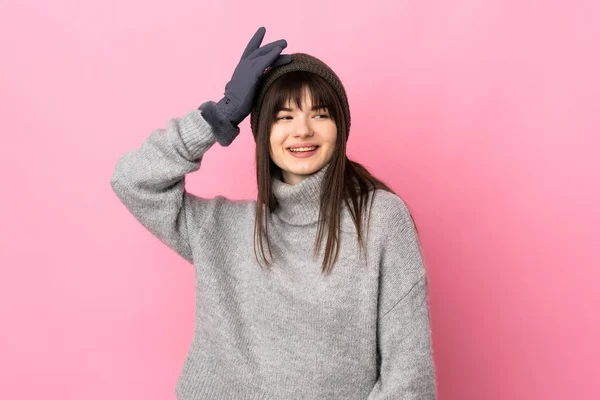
column 290, row 89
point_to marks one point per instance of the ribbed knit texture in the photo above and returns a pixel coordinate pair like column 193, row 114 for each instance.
column 362, row 332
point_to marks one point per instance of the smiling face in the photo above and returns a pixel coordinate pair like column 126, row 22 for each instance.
column 302, row 138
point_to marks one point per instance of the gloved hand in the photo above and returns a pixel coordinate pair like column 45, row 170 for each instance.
column 236, row 105
column 239, row 91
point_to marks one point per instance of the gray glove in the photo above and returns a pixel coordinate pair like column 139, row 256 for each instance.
column 239, row 91
column 236, row 105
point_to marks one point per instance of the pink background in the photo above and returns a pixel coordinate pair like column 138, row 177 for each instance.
column 483, row 115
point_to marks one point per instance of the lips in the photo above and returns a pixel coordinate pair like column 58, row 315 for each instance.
column 295, row 146
column 303, row 154
column 302, row 149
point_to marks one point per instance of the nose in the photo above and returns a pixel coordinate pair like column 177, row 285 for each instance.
column 302, row 127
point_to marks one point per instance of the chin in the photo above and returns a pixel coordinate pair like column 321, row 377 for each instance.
column 307, row 169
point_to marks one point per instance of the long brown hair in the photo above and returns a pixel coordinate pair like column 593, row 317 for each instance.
column 344, row 179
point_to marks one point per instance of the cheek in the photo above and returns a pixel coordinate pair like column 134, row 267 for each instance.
column 331, row 134
column 273, row 145
column 277, row 138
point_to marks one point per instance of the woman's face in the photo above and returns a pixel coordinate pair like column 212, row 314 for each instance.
column 305, row 127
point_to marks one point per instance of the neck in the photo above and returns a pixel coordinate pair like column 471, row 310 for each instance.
column 299, row 204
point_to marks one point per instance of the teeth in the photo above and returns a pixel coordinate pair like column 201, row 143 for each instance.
column 304, row 148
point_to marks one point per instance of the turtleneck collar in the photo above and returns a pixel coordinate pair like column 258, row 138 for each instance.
column 298, row 204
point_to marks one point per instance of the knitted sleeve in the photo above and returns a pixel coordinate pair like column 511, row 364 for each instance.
column 406, row 368
column 150, row 181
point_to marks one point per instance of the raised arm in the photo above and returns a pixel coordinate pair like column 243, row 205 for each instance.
column 150, row 180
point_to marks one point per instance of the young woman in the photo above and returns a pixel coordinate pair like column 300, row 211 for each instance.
column 316, row 289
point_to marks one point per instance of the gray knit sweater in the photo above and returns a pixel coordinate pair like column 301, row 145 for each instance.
column 290, row 333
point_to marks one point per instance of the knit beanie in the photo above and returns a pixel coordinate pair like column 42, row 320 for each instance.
column 300, row 62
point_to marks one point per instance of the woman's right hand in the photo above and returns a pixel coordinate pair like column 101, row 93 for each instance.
column 236, row 105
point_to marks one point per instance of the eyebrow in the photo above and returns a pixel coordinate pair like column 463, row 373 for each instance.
column 314, row 108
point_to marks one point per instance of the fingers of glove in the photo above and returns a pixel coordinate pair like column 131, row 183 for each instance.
column 254, row 43
column 267, row 60
column 267, row 48
column 282, row 60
